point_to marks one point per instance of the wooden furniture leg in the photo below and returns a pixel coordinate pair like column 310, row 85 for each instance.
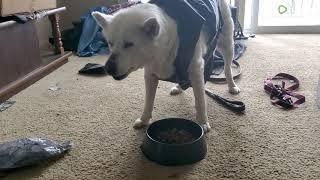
column 54, row 18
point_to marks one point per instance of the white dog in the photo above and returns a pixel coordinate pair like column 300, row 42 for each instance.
column 145, row 36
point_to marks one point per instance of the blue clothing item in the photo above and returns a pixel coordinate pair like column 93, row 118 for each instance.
column 91, row 41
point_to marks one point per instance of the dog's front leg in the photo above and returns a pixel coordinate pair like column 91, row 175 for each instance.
column 151, row 85
column 198, row 85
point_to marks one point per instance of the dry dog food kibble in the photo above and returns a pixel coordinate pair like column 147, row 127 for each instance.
column 175, row 136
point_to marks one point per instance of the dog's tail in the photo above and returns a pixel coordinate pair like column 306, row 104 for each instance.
column 228, row 25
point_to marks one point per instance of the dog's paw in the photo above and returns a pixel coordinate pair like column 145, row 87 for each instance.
column 175, row 91
column 234, row 90
column 138, row 124
column 206, row 127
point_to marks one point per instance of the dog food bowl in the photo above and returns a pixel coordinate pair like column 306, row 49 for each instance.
column 174, row 142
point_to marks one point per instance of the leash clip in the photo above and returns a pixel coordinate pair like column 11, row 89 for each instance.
column 280, row 96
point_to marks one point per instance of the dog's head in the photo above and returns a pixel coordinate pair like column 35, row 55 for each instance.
column 131, row 38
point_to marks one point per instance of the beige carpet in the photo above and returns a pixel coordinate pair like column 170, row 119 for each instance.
column 97, row 114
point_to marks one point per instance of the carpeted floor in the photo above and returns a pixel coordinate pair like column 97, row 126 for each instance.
column 97, row 113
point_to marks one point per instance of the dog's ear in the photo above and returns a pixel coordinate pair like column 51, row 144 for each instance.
column 151, row 27
column 102, row 19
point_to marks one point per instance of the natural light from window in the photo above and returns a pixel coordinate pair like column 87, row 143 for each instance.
column 289, row 12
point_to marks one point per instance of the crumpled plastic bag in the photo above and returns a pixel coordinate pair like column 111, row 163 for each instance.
column 29, row 151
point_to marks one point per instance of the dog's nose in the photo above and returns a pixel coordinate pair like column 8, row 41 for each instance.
column 111, row 65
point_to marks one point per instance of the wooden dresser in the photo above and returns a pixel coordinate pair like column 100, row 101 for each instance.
column 21, row 62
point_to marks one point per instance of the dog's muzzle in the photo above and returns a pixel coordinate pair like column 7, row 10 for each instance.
column 111, row 65
column 111, row 68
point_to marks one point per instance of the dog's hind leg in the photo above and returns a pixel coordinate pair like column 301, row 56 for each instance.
column 176, row 90
column 226, row 46
column 151, row 84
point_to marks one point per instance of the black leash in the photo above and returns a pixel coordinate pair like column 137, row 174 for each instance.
column 235, row 106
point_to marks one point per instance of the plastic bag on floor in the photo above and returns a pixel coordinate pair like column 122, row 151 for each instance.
column 27, row 152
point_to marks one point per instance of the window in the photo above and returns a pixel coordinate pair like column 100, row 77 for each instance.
column 282, row 16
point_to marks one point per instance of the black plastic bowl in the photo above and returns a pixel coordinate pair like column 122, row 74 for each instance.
column 174, row 154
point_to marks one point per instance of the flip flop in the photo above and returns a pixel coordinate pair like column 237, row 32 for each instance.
column 93, row 69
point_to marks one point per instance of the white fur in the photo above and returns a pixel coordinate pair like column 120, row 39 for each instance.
column 156, row 54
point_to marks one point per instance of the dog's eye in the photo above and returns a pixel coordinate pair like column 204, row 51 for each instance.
column 127, row 45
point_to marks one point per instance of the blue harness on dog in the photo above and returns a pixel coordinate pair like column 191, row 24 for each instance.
column 191, row 17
